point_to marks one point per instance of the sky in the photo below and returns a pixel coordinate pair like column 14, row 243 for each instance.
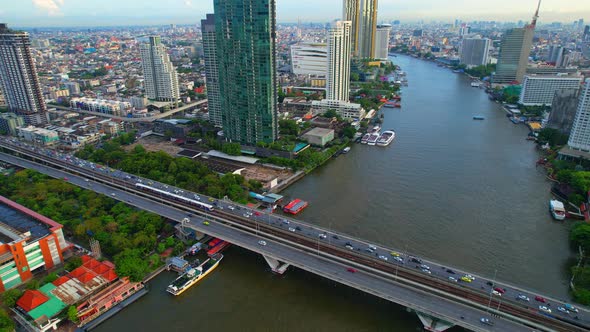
column 39, row 13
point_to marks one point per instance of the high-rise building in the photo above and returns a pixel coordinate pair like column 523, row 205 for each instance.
column 464, row 30
column 18, row 77
column 309, row 59
column 382, row 41
column 555, row 54
column 475, row 51
column 211, row 70
column 581, row 24
column 245, row 33
column 515, row 49
column 352, row 12
column 580, row 135
column 367, row 29
column 563, row 110
column 339, row 46
column 538, row 90
column 160, row 77
column 587, row 33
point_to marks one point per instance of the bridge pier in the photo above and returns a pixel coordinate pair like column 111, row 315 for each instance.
column 433, row 323
column 275, row 265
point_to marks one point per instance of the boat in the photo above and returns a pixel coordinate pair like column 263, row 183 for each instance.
column 475, row 84
column 346, row 149
column 295, row 206
column 386, row 138
column 373, row 138
column 376, row 129
column 194, row 275
column 557, row 209
column 478, row 117
column 392, row 104
column 365, row 138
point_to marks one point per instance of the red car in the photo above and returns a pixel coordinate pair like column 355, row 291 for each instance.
column 65, row 179
column 257, row 213
column 499, row 290
column 351, row 270
column 540, row 299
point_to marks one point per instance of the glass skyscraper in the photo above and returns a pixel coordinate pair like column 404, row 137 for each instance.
column 245, row 37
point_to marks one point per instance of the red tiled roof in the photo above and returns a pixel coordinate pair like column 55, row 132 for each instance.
column 86, row 258
column 101, row 268
column 60, row 281
column 77, row 272
column 110, row 275
column 87, row 277
column 31, row 299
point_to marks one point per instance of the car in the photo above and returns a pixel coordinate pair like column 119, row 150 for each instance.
column 258, row 214
column 545, row 309
column 382, row 257
column 206, row 223
column 540, row 299
column 470, row 276
column 486, row 321
column 335, row 237
column 450, row 271
column 113, row 194
column 415, row 260
column 348, row 246
column 425, row 267
column 86, row 180
column 322, row 236
column 189, row 214
column 211, row 199
column 262, row 242
column 285, row 221
column 399, row 259
column 230, row 207
column 394, row 254
column 464, row 278
column 426, row 271
column 197, row 197
column 570, row 307
column 351, row 270
column 563, row 310
column 489, row 283
column 372, row 247
column 500, row 290
column 453, row 279
column 65, row 179
column 298, row 228
column 496, row 293
column 246, row 215
column 523, row 297
column 291, row 229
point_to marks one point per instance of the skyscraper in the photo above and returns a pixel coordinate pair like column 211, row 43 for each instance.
column 515, row 49
column 352, row 11
column 367, row 29
column 211, row 70
column 18, row 77
column 339, row 46
column 382, row 41
column 475, row 51
column 245, row 33
column 309, row 59
column 580, row 135
column 160, row 77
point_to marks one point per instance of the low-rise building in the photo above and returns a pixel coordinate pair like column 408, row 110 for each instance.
column 112, row 107
column 9, row 122
column 346, row 110
column 38, row 135
column 538, row 90
column 319, row 136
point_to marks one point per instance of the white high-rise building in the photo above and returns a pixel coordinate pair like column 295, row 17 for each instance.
column 382, row 41
column 160, row 77
column 211, row 70
column 339, row 56
column 475, row 51
column 538, row 90
column 18, row 77
column 580, row 135
column 309, row 59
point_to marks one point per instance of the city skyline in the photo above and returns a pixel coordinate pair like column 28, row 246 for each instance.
column 46, row 13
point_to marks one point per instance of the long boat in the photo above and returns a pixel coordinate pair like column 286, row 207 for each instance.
column 194, row 275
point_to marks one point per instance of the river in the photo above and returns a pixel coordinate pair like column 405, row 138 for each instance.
column 459, row 191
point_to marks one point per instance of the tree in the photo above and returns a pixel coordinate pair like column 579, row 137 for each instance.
column 130, row 263
column 6, row 323
column 580, row 236
column 33, row 284
column 73, row 314
column 233, row 149
column 349, row 132
column 289, row 127
column 50, row 278
column 10, row 297
column 355, row 77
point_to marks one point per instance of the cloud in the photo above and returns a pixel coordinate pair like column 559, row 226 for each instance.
column 52, row 7
column 187, row 3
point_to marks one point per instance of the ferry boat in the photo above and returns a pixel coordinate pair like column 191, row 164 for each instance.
column 373, row 138
column 376, row 129
column 346, row 149
column 194, row 275
column 478, row 117
column 386, row 138
column 295, row 206
column 365, row 138
column 557, row 209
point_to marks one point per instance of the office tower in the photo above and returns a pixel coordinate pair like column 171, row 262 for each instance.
column 538, row 90
column 475, row 51
column 580, row 135
column 563, row 110
column 352, row 11
column 367, row 29
column 555, row 55
column 581, row 24
column 211, row 70
column 515, row 49
column 382, row 41
column 160, row 77
column 18, row 77
column 464, row 30
column 245, row 33
column 309, row 59
column 587, row 33
column 339, row 46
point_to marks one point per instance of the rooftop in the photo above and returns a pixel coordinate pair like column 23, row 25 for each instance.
column 14, row 223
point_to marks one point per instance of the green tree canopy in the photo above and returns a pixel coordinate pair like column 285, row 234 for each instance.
column 131, row 263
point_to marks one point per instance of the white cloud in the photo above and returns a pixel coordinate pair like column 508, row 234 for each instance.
column 187, row 3
column 51, row 7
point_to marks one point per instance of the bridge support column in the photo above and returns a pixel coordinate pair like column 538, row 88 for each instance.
column 275, row 265
column 433, row 323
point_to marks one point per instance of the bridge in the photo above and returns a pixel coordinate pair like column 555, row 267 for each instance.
column 439, row 301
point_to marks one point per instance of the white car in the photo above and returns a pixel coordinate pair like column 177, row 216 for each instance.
column 399, row 259
column 291, row 229
column 262, row 242
column 372, row 247
column 470, row 276
column 453, row 279
column 562, row 309
column 348, row 246
column 495, row 292
column 523, row 297
column 323, row 236
column 426, row 271
column 230, row 207
column 246, row 215
column 545, row 309
column 425, row 267
column 382, row 257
